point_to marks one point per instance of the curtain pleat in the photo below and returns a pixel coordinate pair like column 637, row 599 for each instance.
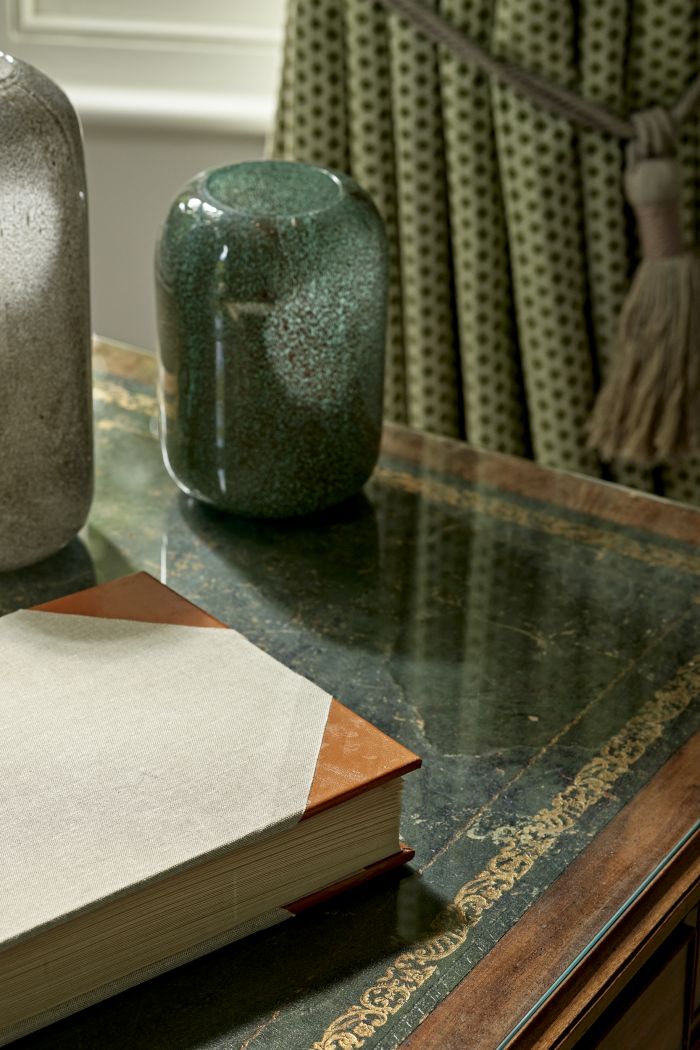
column 511, row 246
column 430, row 345
column 372, row 153
column 494, row 400
column 664, row 58
column 313, row 104
column 604, row 27
column 541, row 180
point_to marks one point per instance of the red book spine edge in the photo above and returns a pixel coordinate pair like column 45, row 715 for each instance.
column 372, row 871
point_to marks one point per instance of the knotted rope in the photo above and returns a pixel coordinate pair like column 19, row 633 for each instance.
column 647, row 410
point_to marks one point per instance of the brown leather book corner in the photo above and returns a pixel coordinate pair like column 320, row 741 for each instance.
column 354, row 755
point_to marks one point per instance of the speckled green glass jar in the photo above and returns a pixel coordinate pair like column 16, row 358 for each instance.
column 271, row 283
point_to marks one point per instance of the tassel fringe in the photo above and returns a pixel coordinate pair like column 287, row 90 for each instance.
column 648, row 411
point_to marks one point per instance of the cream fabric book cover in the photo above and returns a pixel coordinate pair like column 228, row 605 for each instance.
column 138, row 752
column 134, row 749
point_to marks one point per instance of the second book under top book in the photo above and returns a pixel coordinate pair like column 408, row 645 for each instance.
column 171, row 788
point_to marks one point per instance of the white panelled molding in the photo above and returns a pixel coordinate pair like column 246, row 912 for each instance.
column 213, row 22
column 210, row 113
column 209, row 67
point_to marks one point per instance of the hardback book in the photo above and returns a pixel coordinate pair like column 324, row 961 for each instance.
column 167, row 788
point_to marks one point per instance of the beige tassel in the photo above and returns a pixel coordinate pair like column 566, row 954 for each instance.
column 648, row 410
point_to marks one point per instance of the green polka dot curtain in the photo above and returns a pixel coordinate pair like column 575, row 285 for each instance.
column 511, row 246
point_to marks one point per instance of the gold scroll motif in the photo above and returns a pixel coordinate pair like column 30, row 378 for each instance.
column 412, row 969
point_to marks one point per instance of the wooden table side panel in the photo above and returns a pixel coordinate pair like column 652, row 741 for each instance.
column 492, row 999
column 576, row 492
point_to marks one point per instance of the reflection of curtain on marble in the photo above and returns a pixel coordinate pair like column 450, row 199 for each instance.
column 485, row 625
column 511, row 249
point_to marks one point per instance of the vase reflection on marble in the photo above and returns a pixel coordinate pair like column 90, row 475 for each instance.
column 271, row 281
column 45, row 376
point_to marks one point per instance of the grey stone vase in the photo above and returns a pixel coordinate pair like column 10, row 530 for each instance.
column 46, row 467
column 271, row 283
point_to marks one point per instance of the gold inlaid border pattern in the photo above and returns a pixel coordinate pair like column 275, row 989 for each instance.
column 412, row 969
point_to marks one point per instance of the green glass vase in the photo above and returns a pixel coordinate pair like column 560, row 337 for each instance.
column 271, row 283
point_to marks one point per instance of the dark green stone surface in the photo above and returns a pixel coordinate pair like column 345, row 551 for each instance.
column 537, row 658
column 271, row 283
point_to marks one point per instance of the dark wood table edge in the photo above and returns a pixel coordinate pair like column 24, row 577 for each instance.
column 523, row 966
column 577, row 492
column 632, row 942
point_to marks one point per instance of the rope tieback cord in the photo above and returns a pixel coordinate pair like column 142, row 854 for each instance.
column 648, row 410
column 558, row 100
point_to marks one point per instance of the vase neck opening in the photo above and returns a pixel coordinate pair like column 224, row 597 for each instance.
column 274, row 188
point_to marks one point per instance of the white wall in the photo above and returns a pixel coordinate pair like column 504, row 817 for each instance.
column 164, row 89
column 133, row 175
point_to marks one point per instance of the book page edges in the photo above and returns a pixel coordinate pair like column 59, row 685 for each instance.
column 145, row 973
column 354, row 754
column 372, row 871
column 261, row 922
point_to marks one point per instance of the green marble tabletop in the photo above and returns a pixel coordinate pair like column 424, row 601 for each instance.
column 542, row 659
